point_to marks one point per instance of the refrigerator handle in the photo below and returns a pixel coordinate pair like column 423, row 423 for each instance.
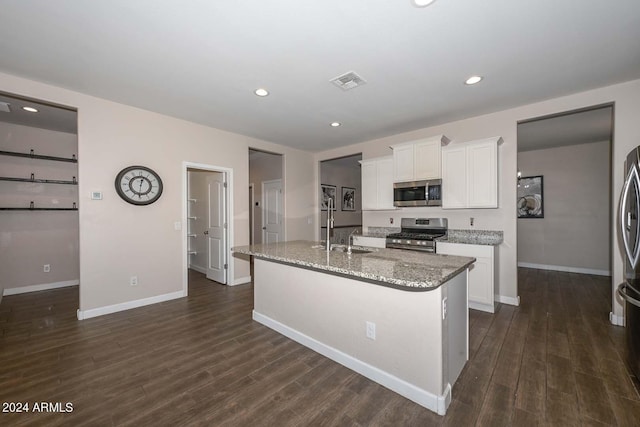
column 623, row 294
column 633, row 253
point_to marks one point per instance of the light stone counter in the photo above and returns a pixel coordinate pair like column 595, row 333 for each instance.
column 406, row 270
column 473, row 237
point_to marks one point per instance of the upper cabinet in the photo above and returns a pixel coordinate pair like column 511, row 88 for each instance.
column 377, row 183
column 470, row 174
column 418, row 160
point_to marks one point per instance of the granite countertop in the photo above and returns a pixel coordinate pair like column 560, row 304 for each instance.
column 473, row 237
column 406, row 270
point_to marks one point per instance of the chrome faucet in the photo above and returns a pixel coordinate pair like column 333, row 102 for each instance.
column 330, row 208
column 350, row 239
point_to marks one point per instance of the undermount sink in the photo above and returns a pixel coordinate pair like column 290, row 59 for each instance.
column 343, row 248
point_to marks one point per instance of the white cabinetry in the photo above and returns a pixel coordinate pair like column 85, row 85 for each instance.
column 482, row 273
column 372, row 242
column 470, row 174
column 377, row 183
column 418, row 160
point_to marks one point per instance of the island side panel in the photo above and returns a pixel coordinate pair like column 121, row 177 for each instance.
column 334, row 310
column 456, row 327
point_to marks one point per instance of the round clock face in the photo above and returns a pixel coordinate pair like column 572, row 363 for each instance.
column 138, row 185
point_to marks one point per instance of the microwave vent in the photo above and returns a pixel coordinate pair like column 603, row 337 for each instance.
column 348, row 81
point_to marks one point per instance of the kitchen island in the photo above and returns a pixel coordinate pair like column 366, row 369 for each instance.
column 397, row 317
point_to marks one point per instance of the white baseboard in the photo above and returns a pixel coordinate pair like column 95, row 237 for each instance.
column 566, row 269
column 435, row 403
column 198, row 268
column 615, row 319
column 508, row 300
column 42, row 287
column 241, row 280
column 100, row 311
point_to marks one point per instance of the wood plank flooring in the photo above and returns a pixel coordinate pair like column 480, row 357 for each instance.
column 555, row 360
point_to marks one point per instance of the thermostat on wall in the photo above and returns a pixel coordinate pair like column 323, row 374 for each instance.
column 96, row 195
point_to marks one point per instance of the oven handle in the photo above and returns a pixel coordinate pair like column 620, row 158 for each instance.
column 623, row 294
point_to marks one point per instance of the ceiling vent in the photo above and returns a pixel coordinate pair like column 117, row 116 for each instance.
column 348, row 81
column 4, row 107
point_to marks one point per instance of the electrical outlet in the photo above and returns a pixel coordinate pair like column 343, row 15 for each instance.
column 371, row 330
column 46, row 268
column 444, row 308
column 133, row 281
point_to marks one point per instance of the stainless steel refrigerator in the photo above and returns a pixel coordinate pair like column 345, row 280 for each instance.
column 629, row 290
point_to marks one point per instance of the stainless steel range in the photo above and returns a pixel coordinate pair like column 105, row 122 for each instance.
column 418, row 234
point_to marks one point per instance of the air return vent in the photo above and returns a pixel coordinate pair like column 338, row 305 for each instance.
column 4, row 107
column 348, row 81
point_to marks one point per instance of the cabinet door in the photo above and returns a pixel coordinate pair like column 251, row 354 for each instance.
column 427, row 160
column 482, row 178
column 454, row 177
column 481, row 281
column 368, row 173
column 403, row 163
column 481, row 273
column 385, row 183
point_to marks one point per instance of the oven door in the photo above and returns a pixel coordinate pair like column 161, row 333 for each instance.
column 410, row 193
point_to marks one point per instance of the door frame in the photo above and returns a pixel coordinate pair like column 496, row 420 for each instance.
column 228, row 175
column 252, row 216
column 263, row 215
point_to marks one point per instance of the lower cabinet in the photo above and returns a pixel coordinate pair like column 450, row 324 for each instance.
column 372, row 242
column 483, row 274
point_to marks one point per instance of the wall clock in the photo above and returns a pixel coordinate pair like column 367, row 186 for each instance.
column 138, row 185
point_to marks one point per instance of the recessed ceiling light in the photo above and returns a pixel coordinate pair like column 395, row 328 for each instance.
column 30, row 109
column 473, row 80
column 335, row 124
column 261, row 92
column 422, row 3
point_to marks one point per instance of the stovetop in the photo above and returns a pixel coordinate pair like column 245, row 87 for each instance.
column 415, row 236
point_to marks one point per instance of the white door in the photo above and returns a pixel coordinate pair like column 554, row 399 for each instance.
column 216, row 229
column 272, row 211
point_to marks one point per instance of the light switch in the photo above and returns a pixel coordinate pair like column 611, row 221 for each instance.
column 177, row 225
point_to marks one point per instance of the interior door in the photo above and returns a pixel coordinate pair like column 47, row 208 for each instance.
column 272, row 211
column 216, row 231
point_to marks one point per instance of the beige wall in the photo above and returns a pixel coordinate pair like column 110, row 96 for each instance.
column 575, row 231
column 29, row 240
column 262, row 167
column 118, row 240
column 504, row 123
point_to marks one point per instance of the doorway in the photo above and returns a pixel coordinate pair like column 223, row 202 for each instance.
column 266, row 195
column 38, row 196
column 272, row 211
column 207, row 192
column 340, row 179
column 566, row 159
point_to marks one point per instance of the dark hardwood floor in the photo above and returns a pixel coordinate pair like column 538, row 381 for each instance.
column 201, row 360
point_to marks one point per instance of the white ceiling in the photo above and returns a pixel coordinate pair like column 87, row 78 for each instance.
column 201, row 60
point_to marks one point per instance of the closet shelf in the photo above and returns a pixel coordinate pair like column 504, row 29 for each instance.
column 32, row 207
column 32, row 155
column 38, row 209
column 42, row 181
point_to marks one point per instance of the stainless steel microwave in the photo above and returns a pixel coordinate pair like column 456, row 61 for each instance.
column 418, row 193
